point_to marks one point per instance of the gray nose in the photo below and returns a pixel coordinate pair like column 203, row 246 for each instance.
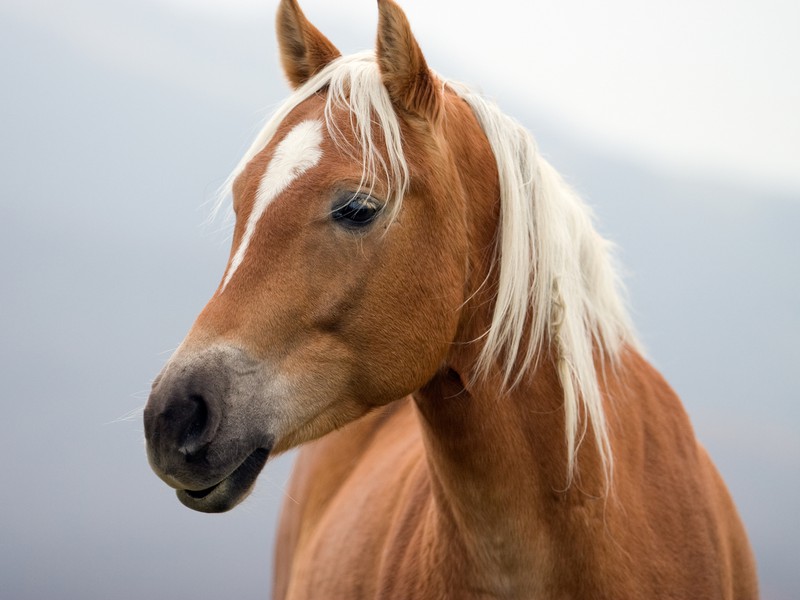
column 183, row 412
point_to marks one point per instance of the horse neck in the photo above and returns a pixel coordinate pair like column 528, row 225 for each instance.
column 498, row 460
column 498, row 465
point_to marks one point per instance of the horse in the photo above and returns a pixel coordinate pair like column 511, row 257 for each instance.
column 417, row 298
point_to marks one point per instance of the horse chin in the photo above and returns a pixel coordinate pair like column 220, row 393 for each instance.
column 231, row 490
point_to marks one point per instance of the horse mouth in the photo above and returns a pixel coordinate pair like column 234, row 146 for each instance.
column 231, row 490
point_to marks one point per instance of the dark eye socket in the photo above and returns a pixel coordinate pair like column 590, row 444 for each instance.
column 356, row 211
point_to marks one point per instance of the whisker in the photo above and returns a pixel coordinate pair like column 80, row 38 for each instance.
column 132, row 415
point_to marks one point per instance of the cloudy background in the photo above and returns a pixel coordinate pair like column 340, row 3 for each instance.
column 118, row 120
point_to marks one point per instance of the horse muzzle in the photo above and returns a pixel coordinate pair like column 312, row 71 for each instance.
column 202, row 437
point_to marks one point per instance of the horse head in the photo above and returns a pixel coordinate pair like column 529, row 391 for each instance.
column 363, row 212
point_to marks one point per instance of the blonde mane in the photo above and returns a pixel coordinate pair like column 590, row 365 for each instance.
column 555, row 271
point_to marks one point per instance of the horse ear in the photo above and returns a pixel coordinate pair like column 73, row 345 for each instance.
column 411, row 84
column 304, row 50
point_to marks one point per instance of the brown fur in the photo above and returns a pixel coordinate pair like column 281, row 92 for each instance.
column 416, row 481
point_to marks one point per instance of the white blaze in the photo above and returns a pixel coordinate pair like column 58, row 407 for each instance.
column 297, row 153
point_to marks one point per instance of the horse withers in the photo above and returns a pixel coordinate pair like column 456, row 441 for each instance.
column 416, row 297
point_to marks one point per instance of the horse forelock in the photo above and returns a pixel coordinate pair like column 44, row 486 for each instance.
column 353, row 87
column 557, row 284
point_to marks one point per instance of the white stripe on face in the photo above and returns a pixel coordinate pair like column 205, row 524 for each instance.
column 297, row 153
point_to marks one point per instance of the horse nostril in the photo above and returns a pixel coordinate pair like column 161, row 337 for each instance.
column 184, row 413
column 194, row 438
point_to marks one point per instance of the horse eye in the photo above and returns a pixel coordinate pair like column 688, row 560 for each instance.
column 356, row 211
